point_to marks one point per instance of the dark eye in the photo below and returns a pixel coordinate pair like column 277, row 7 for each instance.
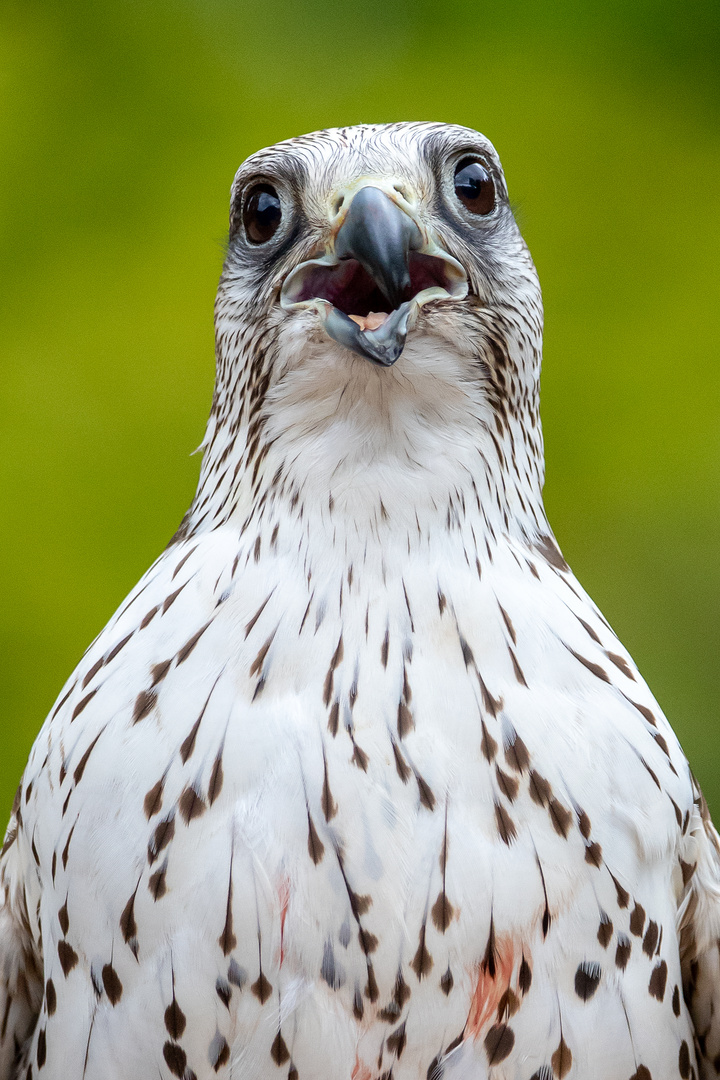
column 474, row 187
column 261, row 213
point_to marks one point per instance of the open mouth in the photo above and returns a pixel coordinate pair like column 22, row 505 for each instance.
column 350, row 289
column 369, row 288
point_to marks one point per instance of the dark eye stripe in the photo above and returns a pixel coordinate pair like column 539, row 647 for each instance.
column 474, row 187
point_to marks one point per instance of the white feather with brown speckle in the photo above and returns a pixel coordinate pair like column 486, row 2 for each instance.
column 358, row 783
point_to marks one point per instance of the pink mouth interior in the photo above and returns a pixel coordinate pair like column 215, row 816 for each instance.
column 350, row 288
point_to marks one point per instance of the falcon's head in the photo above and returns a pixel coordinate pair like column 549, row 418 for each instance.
column 376, row 297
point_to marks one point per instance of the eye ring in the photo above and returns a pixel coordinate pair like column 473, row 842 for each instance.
column 474, row 186
column 261, row 213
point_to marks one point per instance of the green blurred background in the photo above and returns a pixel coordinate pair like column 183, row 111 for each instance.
column 121, row 125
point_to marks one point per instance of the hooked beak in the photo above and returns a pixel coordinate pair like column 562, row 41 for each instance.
column 371, row 283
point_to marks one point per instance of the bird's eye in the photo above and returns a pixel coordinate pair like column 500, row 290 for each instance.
column 474, row 187
column 261, row 213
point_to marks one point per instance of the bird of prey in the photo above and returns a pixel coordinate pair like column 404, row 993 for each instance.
column 358, row 783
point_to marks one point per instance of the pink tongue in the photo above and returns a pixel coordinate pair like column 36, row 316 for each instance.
column 370, row 321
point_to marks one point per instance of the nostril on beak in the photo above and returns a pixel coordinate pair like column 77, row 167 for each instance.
column 339, row 202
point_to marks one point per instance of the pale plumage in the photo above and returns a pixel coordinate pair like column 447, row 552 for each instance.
column 358, row 783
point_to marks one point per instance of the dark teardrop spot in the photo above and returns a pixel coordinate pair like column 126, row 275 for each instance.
column 587, row 979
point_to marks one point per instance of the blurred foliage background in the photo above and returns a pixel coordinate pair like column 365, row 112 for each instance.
column 121, row 125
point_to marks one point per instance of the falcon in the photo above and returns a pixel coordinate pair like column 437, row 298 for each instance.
column 358, row 783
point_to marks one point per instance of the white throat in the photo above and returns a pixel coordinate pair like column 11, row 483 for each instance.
column 361, row 451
